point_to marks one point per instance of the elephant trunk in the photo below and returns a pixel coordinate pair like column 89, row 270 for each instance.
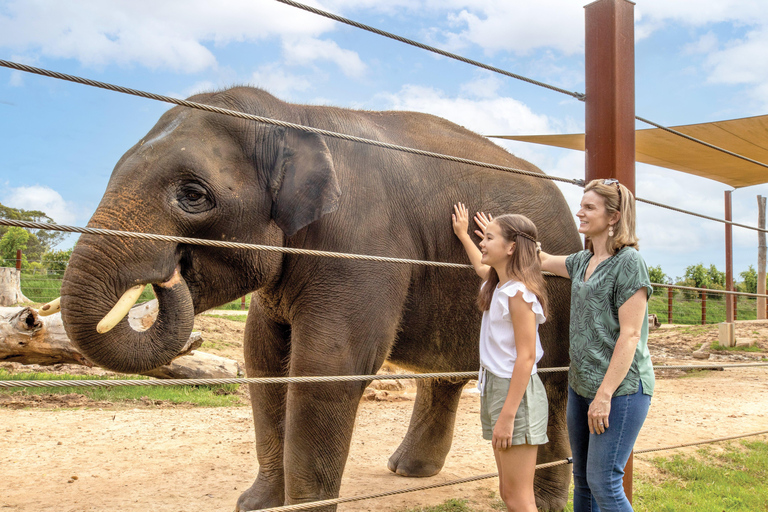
column 89, row 291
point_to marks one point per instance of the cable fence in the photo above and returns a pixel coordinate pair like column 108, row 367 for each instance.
column 691, row 306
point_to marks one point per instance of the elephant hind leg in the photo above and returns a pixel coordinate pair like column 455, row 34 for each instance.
column 425, row 447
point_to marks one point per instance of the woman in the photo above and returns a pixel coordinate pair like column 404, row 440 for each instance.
column 610, row 380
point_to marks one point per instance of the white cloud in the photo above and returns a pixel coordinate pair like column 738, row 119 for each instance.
column 307, row 51
column 171, row 34
column 44, row 199
column 278, row 81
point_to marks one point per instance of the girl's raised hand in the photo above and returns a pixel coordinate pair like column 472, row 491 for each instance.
column 482, row 220
column 460, row 218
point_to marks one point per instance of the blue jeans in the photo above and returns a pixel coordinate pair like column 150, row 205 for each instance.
column 599, row 460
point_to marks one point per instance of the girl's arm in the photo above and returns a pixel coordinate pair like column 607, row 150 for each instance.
column 549, row 263
column 460, row 218
column 524, row 325
column 631, row 315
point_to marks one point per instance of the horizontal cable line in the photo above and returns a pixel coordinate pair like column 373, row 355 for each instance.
column 562, row 462
column 709, row 290
column 229, row 245
column 578, row 95
column 697, row 443
column 307, row 380
column 680, row 210
column 275, row 122
column 694, row 139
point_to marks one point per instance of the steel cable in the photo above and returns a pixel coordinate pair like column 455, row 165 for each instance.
column 275, row 122
column 578, row 95
column 562, row 462
column 310, row 379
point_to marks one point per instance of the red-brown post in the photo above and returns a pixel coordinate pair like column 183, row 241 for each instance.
column 610, row 105
column 735, row 312
column 703, row 307
column 728, row 257
column 18, row 259
column 242, row 302
column 669, row 305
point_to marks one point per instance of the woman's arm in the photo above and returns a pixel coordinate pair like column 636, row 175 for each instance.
column 631, row 315
column 554, row 264
column 524, row 324
column 460, row 218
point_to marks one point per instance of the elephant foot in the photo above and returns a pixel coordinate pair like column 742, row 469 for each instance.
column 262, row 494
column 409, row 462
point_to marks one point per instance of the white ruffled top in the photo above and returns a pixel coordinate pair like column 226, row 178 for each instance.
column 498, row 351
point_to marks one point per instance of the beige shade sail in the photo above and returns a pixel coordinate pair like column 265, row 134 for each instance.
column 747, row 137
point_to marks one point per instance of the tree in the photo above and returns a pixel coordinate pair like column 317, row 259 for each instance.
column 749, row 280
column 40, row 241
column 14, row 239
column 56, row 261
column 657, row 276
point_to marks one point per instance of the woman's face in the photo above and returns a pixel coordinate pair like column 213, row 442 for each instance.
column 593, row 217
column 494, row 248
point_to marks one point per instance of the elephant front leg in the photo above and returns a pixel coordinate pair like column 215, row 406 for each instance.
column 319, row 425
column 423, row 451
column 265, row 352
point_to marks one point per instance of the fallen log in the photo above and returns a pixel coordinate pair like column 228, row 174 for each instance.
column 28, row 338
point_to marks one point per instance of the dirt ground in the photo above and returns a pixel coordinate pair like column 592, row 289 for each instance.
column 70, row 454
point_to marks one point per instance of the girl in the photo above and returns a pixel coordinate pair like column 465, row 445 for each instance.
column 514, row 408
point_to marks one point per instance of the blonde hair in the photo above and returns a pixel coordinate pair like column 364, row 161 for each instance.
column 523, row 265
column 617, row 198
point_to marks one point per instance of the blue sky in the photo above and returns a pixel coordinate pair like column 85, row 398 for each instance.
column 696, row 61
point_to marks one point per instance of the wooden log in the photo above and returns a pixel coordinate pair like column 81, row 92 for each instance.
column 27, row 338
column 10, row 287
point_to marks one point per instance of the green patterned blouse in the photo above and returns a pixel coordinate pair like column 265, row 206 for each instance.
column 594, row 327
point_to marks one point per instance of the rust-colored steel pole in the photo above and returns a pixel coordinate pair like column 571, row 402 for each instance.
column 610, row 105
column 703, row 307
column 610, row 90
column 729, row 317
column 669, row 305
column 18, row 259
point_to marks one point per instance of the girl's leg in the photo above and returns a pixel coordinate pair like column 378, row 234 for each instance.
column 609, row 452
column 517, row 466
column 578, row 434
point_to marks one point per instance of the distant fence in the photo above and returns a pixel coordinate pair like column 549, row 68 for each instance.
column 683, row 305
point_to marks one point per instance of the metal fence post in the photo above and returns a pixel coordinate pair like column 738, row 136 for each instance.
column 242, row 302
column 703, row 307
column 735, row 314
column 669, row 305
column 18, row 259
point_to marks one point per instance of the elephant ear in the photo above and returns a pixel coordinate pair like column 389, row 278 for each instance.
column 303, row 185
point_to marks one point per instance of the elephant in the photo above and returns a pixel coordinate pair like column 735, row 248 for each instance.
column 208, row 175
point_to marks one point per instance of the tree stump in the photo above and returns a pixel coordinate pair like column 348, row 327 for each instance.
column 10, row 287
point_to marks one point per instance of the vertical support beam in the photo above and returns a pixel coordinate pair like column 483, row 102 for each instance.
column 761, row 253
column 669, row 305
column 610, row 90
column 728, row 257
column 18, row 259
column 610, row 106
column 703, row 307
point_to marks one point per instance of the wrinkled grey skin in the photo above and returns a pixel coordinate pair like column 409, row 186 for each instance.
column 205, row 175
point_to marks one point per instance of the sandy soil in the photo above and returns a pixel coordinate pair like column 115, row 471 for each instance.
column 70, row 454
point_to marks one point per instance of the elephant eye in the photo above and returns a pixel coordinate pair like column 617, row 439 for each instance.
column 194, row 198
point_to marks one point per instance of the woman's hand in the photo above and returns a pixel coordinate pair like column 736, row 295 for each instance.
column 598, row 413
column 482, row 220
column 460, row 218
column 502, row 433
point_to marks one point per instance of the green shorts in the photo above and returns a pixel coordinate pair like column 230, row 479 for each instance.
column 532, row 413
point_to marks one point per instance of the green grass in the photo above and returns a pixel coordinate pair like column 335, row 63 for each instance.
column 687, row 310
column 202, row 396
column 733, row 480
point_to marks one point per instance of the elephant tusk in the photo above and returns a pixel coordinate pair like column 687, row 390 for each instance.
column 121, row 309
column 52, row 307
